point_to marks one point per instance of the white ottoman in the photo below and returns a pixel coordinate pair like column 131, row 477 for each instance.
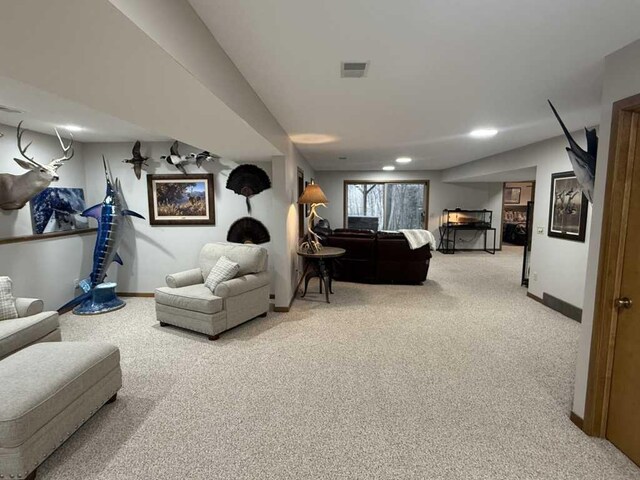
column 48, row 391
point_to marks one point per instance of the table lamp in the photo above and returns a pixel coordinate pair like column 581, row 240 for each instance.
column 314, row 196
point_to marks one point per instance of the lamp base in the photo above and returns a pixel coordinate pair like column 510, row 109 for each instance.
column 310, row 244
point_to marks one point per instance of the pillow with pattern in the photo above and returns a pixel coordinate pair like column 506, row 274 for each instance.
column 7, row 301
column 223, row 270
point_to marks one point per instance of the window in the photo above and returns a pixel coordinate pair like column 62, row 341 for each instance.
column 385, row 205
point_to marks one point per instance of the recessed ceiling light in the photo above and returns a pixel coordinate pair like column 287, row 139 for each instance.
column 483, row 133
column 403, row 160
column 72, row 128
column 313, row 138
column 388, row 168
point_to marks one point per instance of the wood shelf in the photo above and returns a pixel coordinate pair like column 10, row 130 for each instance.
column 46, row 236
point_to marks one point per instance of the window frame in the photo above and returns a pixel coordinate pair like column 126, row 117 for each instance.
column 345, row 194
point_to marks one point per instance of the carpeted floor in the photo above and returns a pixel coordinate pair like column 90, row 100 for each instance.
column 462, row 378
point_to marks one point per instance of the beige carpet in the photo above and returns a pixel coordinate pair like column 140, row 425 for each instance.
column 461, row 378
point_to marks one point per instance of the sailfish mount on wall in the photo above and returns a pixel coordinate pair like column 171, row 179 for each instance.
column 582, row 161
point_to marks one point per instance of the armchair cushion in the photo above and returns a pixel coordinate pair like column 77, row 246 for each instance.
column 7, row 301
column 196, row 298
column 17, row 333
column 240, row 285
column 222, row 271
column 251, row 258
column 183, row 279
column 29, row 306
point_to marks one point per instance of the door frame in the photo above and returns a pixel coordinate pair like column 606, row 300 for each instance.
column 625, row 122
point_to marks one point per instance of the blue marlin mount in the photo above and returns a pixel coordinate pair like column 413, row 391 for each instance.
column 110, row 215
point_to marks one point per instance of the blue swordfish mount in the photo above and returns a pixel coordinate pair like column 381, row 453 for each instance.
column 110, row 215
column 582, row 161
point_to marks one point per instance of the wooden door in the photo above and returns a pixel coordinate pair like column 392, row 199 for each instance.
column 623, row 419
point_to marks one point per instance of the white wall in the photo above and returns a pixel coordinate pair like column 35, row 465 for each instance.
column 32, row 265
column 441, row 196
column 151, row 252
column 621, row 80
column 559, row 265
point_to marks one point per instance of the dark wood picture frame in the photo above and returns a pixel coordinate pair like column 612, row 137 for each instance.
column 209, row 199
column 508, row 195
column 580, row 235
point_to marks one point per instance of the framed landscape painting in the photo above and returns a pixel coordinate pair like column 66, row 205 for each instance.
column 568, row 208
column 181, row 199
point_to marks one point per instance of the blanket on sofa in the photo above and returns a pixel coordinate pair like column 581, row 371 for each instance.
column 419, row 238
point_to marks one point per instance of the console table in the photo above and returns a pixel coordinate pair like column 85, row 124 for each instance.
column 448, row 244
column 316, row 266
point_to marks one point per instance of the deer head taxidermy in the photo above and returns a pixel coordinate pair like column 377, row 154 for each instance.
column 17, row 190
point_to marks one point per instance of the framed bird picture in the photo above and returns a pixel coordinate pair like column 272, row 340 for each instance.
column 567, row 208
column 181, row 199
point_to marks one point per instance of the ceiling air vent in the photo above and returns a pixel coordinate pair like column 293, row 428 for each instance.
column 354, row 69
column 9, row 109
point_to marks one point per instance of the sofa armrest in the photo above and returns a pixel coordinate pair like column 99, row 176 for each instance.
column 183, row 279
column 29, row 306
column 240, row 285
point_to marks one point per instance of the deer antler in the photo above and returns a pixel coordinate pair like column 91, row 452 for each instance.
column 23, row 151
column 67, row 150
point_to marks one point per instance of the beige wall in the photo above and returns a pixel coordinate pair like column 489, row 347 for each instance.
column 621, row 80
column 441, row 195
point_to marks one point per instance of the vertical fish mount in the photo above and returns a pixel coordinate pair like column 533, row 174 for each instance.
column 99, row 297
column 583, row 162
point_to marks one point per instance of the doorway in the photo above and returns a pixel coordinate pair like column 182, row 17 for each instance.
column 517, row 218
column 613, row 391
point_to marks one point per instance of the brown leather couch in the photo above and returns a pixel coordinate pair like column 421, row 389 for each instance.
column 378, row 257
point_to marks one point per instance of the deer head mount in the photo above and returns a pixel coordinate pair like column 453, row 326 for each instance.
column 17, row 190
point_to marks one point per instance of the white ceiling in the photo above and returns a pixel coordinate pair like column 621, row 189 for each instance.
column 42, row 112
column 438, row 70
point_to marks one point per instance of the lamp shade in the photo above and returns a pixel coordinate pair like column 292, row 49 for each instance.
column 312, row 194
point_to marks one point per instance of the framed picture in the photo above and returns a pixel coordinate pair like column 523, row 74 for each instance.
column 568, row 208
column 181, row 199
column 512, row 195
column 58, row 210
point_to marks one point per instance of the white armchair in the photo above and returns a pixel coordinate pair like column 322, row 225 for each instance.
column 32, row 326
column 186, row 302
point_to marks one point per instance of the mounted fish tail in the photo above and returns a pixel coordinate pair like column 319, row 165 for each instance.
column 110, row 215
column 582, row 161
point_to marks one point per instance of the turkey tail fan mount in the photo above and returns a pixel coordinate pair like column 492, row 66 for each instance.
column 248, row 180
column 582, row 161
column 248, row 230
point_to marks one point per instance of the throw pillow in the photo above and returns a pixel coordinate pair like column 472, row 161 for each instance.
column 223, row 270
column 7, row 302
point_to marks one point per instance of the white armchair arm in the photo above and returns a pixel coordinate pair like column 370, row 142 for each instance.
column 28, row 306
column 182, row 279
column 246, row 283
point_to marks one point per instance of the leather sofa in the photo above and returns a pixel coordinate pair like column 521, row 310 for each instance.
column 382, row 257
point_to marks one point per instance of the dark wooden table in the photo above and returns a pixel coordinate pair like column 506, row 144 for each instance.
column 319, row 265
